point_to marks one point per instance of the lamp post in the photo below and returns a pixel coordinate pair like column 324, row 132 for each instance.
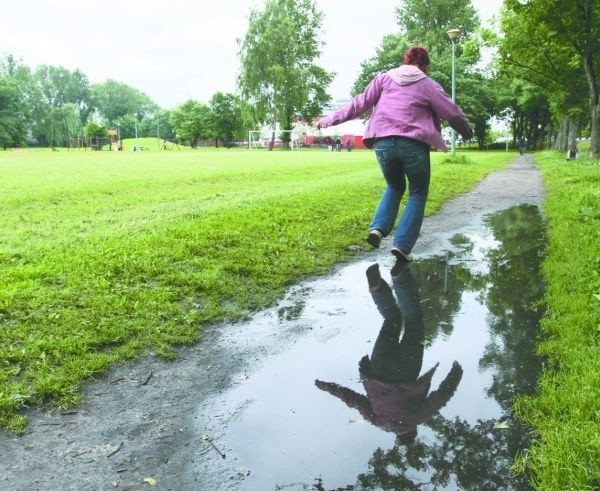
column 453, row 35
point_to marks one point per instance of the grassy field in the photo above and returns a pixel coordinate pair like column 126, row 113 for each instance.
column 566, row 413
column 105, row 256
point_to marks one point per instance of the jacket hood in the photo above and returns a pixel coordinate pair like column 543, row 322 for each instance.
column 406, row 74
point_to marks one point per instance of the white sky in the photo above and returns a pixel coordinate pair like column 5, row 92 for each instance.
column 181, row 49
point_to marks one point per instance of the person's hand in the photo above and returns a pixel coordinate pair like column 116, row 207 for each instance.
column 320, row 124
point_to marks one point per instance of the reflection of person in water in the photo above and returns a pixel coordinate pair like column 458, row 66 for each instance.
column 397, row 398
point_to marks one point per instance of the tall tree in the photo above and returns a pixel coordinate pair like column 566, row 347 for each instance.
column 479, row 101
column 228, row 116
column 524, row 107
column 427, row 22
column 194, row 121
column 17, row 90
column 58, row 87
column 279, row 78
column 555, row 44
column 115, row 100
column 12, row 124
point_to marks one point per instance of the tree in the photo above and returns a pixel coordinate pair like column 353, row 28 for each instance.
column 58, row 87
column 387, row 56
column 165, row 126
column 93, row 132
column 228, row 117
column 279, row 79
column 478, row 100
column 61, row 124
column 194, row 121
column 16, row 91
column 115, row 100
column 566, row 37
column 524, row 107
column 427, row 22
column 79, row 94
column 12, row 124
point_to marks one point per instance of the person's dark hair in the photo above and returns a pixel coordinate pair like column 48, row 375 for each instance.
column 417, row 55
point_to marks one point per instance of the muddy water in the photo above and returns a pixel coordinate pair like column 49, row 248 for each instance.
column 390, row 383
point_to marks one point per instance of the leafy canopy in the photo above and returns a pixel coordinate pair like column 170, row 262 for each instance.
column 194, row 121
column 279, row 79
column 555, row 45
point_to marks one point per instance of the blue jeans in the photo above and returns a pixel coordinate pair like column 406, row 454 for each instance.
column 400, row 159
column 396, row 360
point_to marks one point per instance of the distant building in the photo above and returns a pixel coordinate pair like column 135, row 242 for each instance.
column 335, row 105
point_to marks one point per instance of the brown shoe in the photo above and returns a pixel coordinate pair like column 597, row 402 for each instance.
column 374, row 238
column 401, row 256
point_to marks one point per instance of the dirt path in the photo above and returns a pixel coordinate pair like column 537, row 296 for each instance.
column 138, row 421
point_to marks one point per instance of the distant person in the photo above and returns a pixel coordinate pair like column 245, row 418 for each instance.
column 338, row 145
column 405, row 123
column 522, row 145
column 349, row 144
column 397, row 399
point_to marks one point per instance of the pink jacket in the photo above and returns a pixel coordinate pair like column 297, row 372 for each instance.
column 405, row 102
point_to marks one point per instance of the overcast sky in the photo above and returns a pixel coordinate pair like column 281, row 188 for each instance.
column 180, row 49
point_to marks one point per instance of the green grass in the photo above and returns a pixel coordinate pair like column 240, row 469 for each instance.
column 105, row 256
column 566, row 413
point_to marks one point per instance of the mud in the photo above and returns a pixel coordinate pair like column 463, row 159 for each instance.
column 156, row 424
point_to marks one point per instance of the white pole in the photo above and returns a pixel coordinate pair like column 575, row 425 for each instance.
column 453, row 97
column 453, row 34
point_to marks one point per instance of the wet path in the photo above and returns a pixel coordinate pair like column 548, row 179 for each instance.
column 243, row 410
column 449, row 344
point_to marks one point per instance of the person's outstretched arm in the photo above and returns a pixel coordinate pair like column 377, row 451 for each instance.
column 440, row 397
column 446, row 109
column 359, row 105
column 348, row 396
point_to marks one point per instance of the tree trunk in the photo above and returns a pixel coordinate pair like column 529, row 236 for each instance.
column 562, row 137
column 594, row 107
column 573, row 134
column 272, row 142
column 595, row 136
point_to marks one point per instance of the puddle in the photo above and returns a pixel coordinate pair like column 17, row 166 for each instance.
column 430, row 409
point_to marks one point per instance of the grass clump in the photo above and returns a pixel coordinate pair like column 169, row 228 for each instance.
column 565, row 413
column 105, row 256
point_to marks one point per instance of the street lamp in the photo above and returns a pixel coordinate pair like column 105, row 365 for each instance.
column 453, row 35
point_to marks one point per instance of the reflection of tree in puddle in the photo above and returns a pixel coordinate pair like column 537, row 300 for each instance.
column 441, row 292
column 461, row 455
column 513, row 297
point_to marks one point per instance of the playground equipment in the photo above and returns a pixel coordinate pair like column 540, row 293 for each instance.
column 110, row 142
